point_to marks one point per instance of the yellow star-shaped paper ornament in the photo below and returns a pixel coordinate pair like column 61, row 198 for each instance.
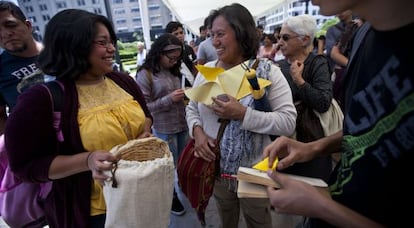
column 220, row 81
column 209, row 73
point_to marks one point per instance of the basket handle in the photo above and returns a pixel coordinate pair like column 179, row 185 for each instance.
column 113, row 170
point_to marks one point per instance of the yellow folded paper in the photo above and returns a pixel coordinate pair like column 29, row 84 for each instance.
column 218, row 81
column 245, row 88
column 209, row 73
column 263, row 165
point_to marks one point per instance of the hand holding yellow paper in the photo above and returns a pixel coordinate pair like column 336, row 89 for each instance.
column 218, row 81
column 263, row 165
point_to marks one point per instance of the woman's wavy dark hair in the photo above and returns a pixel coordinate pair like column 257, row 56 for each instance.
column 68, row 41
column 152, row 61
column 243, row 25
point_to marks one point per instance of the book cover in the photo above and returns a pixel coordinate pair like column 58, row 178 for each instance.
column 252, row 182
column 250, row 190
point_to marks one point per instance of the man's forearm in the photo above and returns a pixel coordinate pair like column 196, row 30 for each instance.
column 327, row 145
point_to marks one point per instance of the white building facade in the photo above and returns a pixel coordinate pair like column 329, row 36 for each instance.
column 132, row 23
column 125, row 14
column 274, row 17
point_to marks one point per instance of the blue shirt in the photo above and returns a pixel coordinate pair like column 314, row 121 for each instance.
column 13, row 69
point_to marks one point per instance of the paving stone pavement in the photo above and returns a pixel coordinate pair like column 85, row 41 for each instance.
column 189, row 219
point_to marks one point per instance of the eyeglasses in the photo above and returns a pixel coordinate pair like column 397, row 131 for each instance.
column 173, row 59
column 286, row 37
column 105, row 43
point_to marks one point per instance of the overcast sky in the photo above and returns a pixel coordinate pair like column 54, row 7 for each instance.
column 15, row 1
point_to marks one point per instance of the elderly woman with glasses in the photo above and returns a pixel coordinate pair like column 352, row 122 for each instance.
column 309, row 78
column 161, row 82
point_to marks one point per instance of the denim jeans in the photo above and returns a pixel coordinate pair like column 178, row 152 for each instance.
column 176, row 142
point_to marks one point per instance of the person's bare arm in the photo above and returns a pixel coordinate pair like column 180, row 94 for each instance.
column 96, row 161
column 341, row 216
column 147, row 129
column 148, row 125
column 296, row 197
column 299, row 198
column 290, row 151
column 338, row 57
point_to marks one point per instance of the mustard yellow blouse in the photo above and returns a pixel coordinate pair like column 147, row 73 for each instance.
column 107, row 116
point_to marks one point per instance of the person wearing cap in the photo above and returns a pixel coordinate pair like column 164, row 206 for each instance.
column 188, row 69
column 160, row 81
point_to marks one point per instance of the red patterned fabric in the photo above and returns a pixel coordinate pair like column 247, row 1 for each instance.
column 196, row 178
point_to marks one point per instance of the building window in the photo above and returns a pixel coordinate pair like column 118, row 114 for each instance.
column 119, row 11
column 135, row 10
column 46, row 17
column 136, row 20
column 61, row 5
column 29, row 9
column 43, row 7
column 123, row 29
column 153, row 7
column 33, row 19
column 98, row 10
column 81, row 2
column 117, row 1
column 121, row 21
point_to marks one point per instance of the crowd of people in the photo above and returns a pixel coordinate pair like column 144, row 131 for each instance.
column 104, row 108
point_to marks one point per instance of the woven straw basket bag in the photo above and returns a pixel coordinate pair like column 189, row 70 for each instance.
column 140, row 191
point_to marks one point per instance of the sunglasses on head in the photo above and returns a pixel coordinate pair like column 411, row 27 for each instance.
column 286, row 37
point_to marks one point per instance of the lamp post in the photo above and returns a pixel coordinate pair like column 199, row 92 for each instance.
column 306, row 5
column 110, row 18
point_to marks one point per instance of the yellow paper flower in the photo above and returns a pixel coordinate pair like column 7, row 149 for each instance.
column 220, row 81
column 209, row 73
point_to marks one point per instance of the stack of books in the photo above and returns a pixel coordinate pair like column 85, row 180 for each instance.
column 252, row 183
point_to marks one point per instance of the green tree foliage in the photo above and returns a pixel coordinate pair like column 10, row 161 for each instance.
column 325, row 26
